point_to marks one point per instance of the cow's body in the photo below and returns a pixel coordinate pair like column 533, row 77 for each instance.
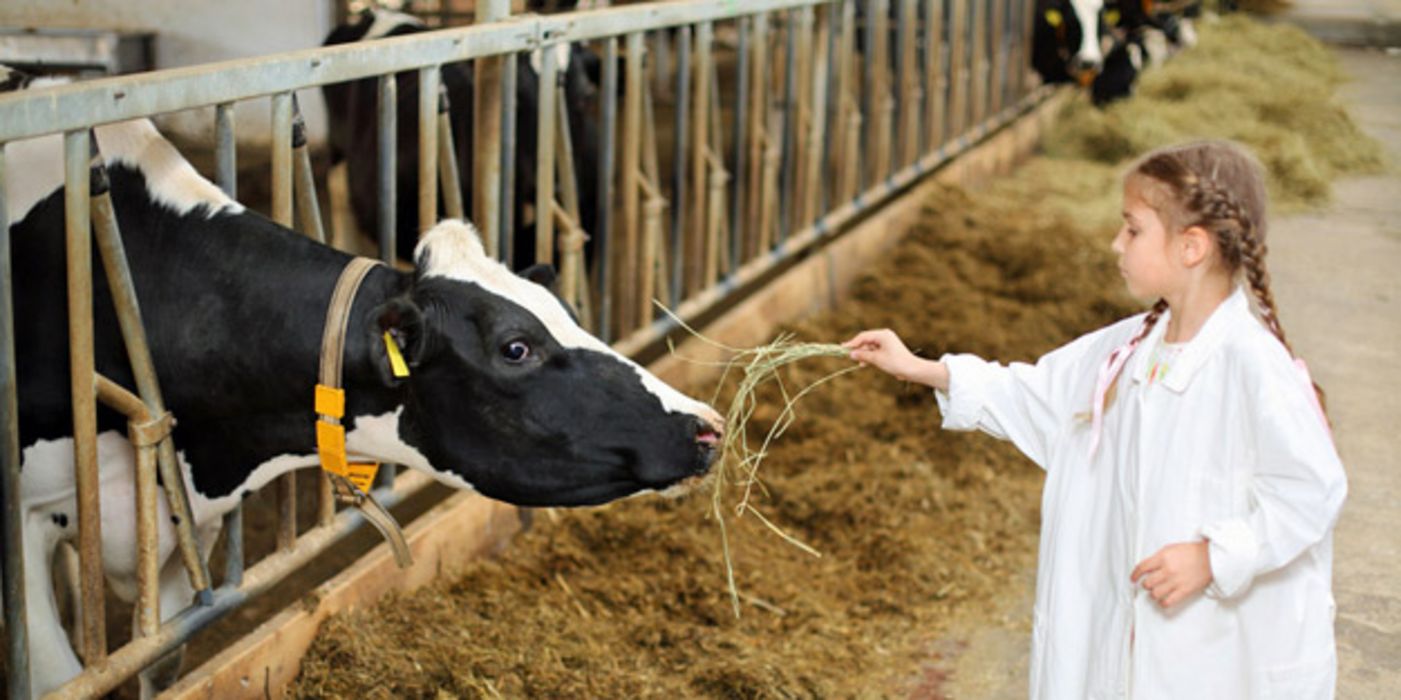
column 507, row 394
column 354, row 137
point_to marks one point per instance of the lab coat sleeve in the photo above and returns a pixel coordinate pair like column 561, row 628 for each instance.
column 1025, row 404
column 1297, row 491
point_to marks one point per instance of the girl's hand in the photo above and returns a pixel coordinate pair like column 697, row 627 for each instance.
column 1176, row 573
column 884, row 350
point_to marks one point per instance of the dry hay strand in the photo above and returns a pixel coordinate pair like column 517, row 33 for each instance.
column 1268, row 86
column 739, row 458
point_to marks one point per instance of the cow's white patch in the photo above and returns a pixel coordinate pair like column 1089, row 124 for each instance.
column 455, row 252
column 387, row 21
column 34, row 169
column 170, row 178
column 1087, row 11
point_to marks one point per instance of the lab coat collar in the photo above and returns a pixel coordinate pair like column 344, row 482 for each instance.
column 1233, row 310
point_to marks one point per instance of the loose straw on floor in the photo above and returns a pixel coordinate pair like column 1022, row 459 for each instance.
column 760, row 365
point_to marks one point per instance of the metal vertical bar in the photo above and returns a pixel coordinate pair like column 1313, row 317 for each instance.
column 571, row 241
column 225, row 150
column 282, row 158
column 884, row 94
column 11, row 519
column 450, row 180
column 282, row 214
column 737, row 189
column 1028, row 12
column 226, row 173
column 958, row 74
column 427, row 148
column 545, row 159
column 818, row 138
column 679, row 162
column 758, row 120
column 799, row 119
column 486, row 115
column 84, row 392
column 603, row 226
column 980, row 62
column 693, row 239
column 909, row 85
column 847, row 127
column 998, row 32
column 303, row 182
column 934, row 83
column 788, row 123
column 626, row 254
column 503, row 247
column 387, row 140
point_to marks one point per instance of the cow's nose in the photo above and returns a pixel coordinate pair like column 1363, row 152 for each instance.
column 708, row 432
column 1082, row 66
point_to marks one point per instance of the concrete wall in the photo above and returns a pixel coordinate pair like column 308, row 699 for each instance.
column 190, row 32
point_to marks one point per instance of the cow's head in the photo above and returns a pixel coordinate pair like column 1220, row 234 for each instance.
column 1068, row 37
column 509, row 396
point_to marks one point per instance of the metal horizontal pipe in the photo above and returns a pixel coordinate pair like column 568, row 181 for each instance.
column 25, row 114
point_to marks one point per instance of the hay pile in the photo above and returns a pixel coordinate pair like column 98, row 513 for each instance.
column 1269, row 86
column 921, row 531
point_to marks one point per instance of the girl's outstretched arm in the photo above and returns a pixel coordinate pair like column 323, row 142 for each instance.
column 884, row 350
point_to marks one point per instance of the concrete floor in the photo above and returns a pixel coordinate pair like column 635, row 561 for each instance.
column 1337, row 280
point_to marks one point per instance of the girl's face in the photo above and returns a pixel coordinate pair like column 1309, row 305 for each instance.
column 1145, row 249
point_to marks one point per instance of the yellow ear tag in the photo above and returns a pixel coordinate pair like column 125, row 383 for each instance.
column 1111, row 18
column 1053, row 18
column 396, row 358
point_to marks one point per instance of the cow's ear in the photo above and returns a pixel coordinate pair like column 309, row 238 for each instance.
column 541, row 274
column 403, row 322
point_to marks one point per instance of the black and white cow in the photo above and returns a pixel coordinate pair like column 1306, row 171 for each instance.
column 1065, row 40
column 507, row 394
column 1106, row 44
column 353, row 130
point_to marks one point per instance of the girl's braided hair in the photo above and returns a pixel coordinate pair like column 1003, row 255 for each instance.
column 1219, row 187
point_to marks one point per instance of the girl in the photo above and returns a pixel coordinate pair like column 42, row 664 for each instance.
column 1192, row 484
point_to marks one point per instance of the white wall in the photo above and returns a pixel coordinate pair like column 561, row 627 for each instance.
column 201, row 31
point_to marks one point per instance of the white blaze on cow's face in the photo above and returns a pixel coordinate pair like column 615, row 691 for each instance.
column 1090, row 55
column 515, row 398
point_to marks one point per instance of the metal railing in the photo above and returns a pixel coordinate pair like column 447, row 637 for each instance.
column 830, row 112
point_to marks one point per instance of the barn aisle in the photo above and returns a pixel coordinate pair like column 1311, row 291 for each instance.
column 1336, row 281
column 1339, row 292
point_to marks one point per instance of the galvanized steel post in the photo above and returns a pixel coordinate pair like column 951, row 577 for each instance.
column 427, row 148
column 486, row 117
column 387, row 134
column 282, row 214
column 545, row 160
column 82, row 369
column 11, row 518
column 603, row 225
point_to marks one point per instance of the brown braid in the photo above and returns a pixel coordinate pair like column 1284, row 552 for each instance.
column 1220, row 187
column 1159, row 308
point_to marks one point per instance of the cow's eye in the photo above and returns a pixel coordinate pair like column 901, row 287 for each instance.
column 515, row 351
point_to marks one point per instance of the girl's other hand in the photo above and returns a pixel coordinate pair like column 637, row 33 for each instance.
column 1176, row 573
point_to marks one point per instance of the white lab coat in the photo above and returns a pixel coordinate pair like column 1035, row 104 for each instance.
column 1227, row 446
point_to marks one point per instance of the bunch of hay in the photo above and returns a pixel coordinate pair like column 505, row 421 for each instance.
column 1269, row 86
